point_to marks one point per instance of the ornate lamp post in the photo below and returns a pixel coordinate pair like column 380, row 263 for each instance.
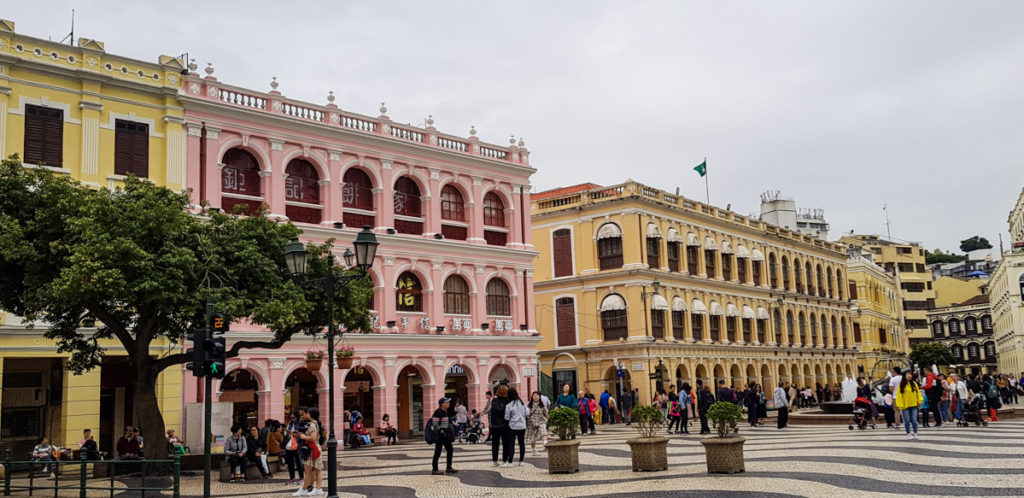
column 295, row 258
column 656, row 285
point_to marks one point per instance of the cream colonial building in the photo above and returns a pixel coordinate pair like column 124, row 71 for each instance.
column 967, row 329
column 630, row 277
column 878, row 319
column 1004, row 291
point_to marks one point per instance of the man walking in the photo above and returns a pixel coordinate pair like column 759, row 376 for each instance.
column 604, row 406
column 625, row 405
column 704, row 401
column 782, row 404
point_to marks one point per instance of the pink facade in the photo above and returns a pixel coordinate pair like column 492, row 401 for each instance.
column 453, row 276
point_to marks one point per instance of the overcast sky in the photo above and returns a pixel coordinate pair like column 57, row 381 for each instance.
column 845, row 106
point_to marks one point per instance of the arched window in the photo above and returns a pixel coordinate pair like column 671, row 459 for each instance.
column 954, row 327
column 407, row 203
column 710, row 266
column 357, row 194
column 777, row 323
column 452, row 205
column 609, row 246
column 839, row 285
column 842, row 336
column 302, row 185
column 789, row 325
column 494, row 210
column 613, row 318
column 819, row 282
column 814, row 331
column 810, row 279
column 973, row 352
column 986, row 324
column 958, row 351
column 970, row 325
column 773, row 272
column 653, row 246
column 802, row 322
column 456, row 295
column 240, row 180
column 498, row 299
column 408, row 293
column 990, row 350
column 831, row 293
column 785, row 274
column 937, row 330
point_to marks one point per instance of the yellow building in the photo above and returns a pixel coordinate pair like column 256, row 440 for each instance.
column 907, row 261
column 630, row 278
column 878, row 320
column 966, row 328
column 950, row 291
column 79, row 111
column 1004, row 291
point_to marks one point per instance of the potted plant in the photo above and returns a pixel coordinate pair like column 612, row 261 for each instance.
column 314, row 359
column 563, row 455
column 724, row 453
column 649, row 452
column 344, row 356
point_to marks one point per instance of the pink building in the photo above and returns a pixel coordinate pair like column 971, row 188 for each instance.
column 453, row 275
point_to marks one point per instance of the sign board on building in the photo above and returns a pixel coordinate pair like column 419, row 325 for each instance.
column 529, row 371
column 638, row 367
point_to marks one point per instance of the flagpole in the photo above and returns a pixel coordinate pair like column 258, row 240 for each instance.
column 707, row 191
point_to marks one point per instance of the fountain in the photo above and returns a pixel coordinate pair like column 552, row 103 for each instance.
column 844, row 405
column 849, row 389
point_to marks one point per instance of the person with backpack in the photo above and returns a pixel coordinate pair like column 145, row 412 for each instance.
column 310, row 452
column 291, row 448
column 704, row 401
column 673, row 415
column 992, row 396
column 933, row 392
column 440, row 432
column 496, row 421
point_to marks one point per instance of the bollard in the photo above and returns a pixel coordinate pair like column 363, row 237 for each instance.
column 81, row 475
column 177, row 475
column 7, row 472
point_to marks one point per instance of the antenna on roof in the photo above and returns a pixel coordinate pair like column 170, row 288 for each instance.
column 70, row 36
column 888, row 231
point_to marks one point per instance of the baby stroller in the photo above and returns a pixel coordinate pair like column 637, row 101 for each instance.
column 861, row 416
column 472, row 434
column 973, row 412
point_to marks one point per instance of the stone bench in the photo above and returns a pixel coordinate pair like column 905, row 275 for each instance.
column 251, row 471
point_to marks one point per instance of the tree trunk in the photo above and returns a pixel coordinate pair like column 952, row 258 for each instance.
column 146, row 410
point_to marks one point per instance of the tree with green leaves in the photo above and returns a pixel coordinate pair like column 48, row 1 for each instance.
column 974, row 243
column 927, row 354
column 141, row 263
column 938, row 256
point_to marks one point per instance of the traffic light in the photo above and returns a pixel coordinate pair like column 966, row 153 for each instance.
column 197, row 353
column 215, row 350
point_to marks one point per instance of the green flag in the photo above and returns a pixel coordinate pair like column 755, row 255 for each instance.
column 702, row 168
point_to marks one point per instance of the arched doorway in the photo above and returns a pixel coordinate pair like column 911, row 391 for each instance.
column 751, row 375
column 719, row 375
column 239, row 387
column 456, row 383
column 563, row 371
column 682, row 376
column 410, row 401
column 808, row 378
column 359, row 394
column 819, row 377
column 500, row 374
column 766, row 381
column 795, row 378
column 300, row 390
column 701, row 374
column 617, row 381
column 736, row 382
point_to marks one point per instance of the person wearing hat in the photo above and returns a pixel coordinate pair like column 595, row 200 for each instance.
column 445, row 434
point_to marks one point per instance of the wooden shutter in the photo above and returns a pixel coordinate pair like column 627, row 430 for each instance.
column 856, row 333
column 561, row 247
column 44, row 135
column 131, row 148
column 565, row 321
column 853, row 290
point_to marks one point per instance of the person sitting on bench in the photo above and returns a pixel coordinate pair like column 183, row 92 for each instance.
column 43, row 452
column 235, row 448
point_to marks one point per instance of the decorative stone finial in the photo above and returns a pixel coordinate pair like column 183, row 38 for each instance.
column 522, row 143
column 209, row 69
column 430, row 120
column 383, row 109
column 192, row 66
column 512, row 140
column 472, row 130
column 330, row 96
column 273, row 83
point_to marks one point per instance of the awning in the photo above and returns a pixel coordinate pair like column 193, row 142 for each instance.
column 716, row 309
column 756, row 255
column 678, row 304
column 673, row 235
column 609, row 231
column 748, row 312
column 710, row 244
column 612, row 303
column 726, row 247
column 691, row 239
column 653, row 231
column 762, row 314
column 730, row 310
column 742, row 252
column 658, row 302
column 697, row 307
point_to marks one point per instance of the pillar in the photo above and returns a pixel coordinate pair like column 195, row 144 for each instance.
column 193, row 165
column 432, row 215
column 330, row 191
column 212, row 168
column 80, row 409
column 476, row 213
column 273, row 186
column 5, row 92
column 176, row 153
column 384, row 199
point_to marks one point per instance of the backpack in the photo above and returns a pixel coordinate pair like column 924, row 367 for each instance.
column 431, row 430
column 993, row 391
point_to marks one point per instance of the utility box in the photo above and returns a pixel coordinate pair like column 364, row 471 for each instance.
column 221, row 421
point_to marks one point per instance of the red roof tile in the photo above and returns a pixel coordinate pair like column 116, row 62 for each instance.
column 572, row 189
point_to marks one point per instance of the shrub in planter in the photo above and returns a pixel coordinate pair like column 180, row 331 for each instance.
column 649, row 452
column 563, row 455
column 724, row 454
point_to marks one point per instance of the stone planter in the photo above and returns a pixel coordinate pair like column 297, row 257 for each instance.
column 563, row 456
column 724, row 454
column 344, row 362
column 649, row 453
column 314, row 364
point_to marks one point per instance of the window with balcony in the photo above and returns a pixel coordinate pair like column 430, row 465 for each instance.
column 727, row 266
column 609, row 247
column 716, row 327
column 613, row 318
column 672, row 256
column 44, row 135
column 240, row 182
column 657, row 323
column 697, row 325
column 937, row 329
column 709, row 263
column 357, row 199
column 407, row 203
column 785, row 274
column 691, row 259
column 452, row 204
column 741, row 270
column 678, row 324
column 456, row 295
column 302, row 192
column 494, row 216
column 653, row 252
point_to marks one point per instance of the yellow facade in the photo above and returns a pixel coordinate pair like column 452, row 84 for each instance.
column 950, row 291
column 1006, row 296
column 906, row 260
column 92, row 90
column 732, row 306
column 878, row 319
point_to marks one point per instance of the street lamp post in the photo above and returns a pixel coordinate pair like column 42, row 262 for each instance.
column 643, row 294
column 295, row 257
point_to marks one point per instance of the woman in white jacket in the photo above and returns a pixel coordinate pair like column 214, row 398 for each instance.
column 515, row 414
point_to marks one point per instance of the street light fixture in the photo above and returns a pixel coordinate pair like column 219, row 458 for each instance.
column 295, row 258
